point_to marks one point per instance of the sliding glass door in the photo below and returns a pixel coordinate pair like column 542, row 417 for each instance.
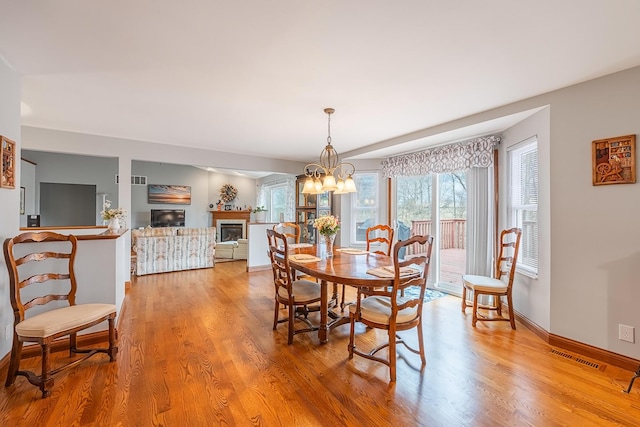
column 415, row 199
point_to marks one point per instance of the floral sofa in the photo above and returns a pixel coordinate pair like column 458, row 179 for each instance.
column 159, row 250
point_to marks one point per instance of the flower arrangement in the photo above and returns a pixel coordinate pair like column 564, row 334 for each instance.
column 259, row 209
column 107, row 213
column 228, row 193
column 327, row 225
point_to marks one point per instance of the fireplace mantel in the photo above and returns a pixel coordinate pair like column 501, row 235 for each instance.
column 216, row 215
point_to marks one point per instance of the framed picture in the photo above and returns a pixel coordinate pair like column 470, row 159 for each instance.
column 614, row 160
column 169, row 194
column 8, row 170
column 21, row 200
column 227, row 207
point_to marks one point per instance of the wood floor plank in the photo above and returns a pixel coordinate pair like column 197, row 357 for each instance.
column 197, row 348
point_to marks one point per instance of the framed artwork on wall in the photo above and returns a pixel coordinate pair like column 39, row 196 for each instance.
column 169, row 194
column 614, row 160
column 8, row 167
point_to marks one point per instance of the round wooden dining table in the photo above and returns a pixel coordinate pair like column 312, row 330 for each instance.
column 345, row 267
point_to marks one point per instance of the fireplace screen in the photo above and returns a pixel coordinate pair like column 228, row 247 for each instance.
column 230, row 232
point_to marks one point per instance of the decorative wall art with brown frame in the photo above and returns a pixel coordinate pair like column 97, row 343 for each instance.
column 614, row 160
column 8, row 171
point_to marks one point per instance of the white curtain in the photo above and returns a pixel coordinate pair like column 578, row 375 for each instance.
column 290, row 210
column 480, row 223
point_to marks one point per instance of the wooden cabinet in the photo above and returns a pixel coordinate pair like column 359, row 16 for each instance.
column 308, row 208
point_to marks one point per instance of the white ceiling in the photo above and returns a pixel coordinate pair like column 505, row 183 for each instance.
column 253, row 77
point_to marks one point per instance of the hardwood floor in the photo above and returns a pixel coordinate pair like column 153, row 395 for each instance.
column 197, row 349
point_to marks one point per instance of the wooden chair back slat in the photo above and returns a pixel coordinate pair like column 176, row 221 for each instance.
column 290, row 230
column 372, row 237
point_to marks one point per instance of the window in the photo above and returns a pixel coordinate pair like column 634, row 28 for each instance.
column 276, row 202
column 364, row 206
column 523, row 201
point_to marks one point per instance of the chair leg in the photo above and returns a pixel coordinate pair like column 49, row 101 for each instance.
column 464, row 299
column 512, row 318
column 113, row 348
column 46, row 381
column 292, row 310
column 498, row 303
column 73, row 344
column 352, row 334
column 421, row 343
column 474, row 319
column 275, row 315
column 392, row 355
column 342, row 298
column 14, row 362
column 636, row 375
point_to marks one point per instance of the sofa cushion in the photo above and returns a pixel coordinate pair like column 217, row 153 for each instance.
column 195, row 231
column 161, row 231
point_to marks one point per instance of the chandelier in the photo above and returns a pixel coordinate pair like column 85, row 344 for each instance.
column 330, row 174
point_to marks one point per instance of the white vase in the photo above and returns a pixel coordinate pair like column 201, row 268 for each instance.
column 261, row 216
column 114, row 224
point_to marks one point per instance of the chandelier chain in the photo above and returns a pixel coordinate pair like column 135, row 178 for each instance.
column 329, row 129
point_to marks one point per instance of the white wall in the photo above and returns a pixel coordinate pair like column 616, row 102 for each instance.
column 9, row 199
column 531, row 297
column 246, row 189
column 28, row 181
column 196, row 214
column 73, row 169
column 595, row 233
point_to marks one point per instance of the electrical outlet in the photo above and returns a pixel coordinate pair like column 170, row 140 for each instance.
column 8, row 332
column 626, row 333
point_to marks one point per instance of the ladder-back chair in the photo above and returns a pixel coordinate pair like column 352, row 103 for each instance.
column 389, row 310
column 495, row 286
column 46, row 260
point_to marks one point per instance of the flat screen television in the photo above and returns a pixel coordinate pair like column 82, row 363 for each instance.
column 167, row 217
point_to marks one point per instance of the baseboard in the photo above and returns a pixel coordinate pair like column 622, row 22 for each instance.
column 258, row 268
column 533, row 327
column 583, row 349
column 606, row 356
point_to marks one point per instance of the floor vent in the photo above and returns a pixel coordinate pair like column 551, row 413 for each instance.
column 577, row 359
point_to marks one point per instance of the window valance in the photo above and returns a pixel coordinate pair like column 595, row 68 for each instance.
column 475, row 153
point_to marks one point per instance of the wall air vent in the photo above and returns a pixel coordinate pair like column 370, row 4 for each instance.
column 135, row 179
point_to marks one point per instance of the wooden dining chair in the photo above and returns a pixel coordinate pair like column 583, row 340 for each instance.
column 495, row 286
column 296, row 295
column 387, row 309
column 46, row 260
column 380, row 233
column 290, row 230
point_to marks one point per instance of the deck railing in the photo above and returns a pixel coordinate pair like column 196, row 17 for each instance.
column 453, row 233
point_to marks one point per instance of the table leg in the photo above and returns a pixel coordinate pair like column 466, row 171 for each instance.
column 324, row 312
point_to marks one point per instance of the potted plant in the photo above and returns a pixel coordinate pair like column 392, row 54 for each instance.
column 260, row 213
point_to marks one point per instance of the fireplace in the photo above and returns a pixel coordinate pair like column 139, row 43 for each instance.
column 230, row 232
column 234, row 222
